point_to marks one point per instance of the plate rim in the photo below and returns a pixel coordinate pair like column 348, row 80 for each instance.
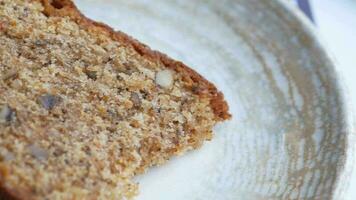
column 345, row 167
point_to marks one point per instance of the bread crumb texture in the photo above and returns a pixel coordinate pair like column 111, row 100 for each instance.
column 81, row 114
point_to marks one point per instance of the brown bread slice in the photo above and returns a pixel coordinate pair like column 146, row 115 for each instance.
column 83, row 108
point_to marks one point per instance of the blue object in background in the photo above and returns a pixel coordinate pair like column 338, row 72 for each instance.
column 304, row 5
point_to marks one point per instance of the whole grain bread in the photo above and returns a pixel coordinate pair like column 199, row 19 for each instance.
column 84, row 108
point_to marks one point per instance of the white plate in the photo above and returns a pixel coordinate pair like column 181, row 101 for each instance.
column 288, row 135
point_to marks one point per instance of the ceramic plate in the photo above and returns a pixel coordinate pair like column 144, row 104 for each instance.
column 288, row 135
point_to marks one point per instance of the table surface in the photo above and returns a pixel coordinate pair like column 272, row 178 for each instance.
column 336, row 22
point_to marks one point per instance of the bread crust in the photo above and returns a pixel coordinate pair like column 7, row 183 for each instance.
column 199, row 85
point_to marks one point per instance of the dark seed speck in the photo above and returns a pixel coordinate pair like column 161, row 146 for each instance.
column 49, row 101
column 91, row 74
column 136, row 100
column 7, row 114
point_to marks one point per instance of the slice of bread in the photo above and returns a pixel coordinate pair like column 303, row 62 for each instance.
column 83, row 108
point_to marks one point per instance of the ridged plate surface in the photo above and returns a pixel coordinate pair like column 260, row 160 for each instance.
column 288, row 135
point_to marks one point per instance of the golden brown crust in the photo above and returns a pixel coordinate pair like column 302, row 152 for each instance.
column 7, row 194
column 10, row 193
column 199, row 84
